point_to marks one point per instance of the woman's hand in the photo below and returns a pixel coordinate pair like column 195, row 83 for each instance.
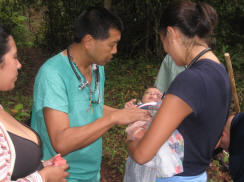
column 57, row 160
column 54, row 173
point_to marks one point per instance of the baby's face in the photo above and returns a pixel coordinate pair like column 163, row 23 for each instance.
column 151, row 95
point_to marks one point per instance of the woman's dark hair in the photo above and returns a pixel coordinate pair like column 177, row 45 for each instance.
column 4, row 39
column 191, row 18
column 96, row 22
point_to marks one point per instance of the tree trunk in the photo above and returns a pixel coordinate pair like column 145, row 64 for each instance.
column 107, row 4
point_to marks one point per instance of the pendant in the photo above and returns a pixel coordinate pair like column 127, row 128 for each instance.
column 91, row 107
column 90, row 101
column 83, row 85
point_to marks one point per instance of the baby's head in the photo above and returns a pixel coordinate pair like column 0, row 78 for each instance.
column 151, row 95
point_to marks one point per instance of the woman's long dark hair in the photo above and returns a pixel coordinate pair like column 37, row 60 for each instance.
column 191, row 18
column 4, row 39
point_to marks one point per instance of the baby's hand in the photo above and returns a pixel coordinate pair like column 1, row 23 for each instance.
column 130, row 103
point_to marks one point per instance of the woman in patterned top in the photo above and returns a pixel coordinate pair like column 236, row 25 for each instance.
column 20, row 146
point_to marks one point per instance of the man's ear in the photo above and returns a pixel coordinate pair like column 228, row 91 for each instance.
column 88, row 41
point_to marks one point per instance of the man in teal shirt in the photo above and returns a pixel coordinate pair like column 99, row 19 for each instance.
column 68, row 111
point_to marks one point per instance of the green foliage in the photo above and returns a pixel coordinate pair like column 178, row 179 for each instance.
column 59, row 19
column 14, row 19
column 133, row 78
column 17, row 105
column 141, row 20
column 230, row 30
column 19, row 112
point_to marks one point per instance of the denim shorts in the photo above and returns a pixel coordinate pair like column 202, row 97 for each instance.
column 199, row 178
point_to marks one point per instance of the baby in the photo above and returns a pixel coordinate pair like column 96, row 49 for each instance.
column 151, row 101
column 168, row 160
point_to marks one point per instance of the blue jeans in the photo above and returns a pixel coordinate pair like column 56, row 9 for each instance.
column 199, row 178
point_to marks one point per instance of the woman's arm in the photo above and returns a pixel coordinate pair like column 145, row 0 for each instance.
column 34, row 177
column 169, row 116
column 47, row 174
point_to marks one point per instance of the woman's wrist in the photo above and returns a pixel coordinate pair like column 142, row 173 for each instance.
column 42, row 175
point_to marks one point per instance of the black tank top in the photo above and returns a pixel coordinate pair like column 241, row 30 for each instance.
column 28, row 156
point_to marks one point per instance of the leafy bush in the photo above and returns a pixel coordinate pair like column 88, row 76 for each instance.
column 14, row 19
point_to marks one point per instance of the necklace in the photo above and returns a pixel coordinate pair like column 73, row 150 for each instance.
column 195, row 59
column 85, row 83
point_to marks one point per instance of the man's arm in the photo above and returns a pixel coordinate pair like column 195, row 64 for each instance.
column 66, row 139
column 108, row 109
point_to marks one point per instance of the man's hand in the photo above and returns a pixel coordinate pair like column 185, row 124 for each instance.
column 129, row 115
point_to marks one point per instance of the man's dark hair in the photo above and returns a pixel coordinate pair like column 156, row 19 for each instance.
column 96, row 22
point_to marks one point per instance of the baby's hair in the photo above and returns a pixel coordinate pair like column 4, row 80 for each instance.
column 150, row 87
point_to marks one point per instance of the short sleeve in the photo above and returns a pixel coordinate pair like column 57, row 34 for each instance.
column 188, row 87
column 50, row 91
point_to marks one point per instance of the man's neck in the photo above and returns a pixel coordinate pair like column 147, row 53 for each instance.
column 80, row 57
column 81, row 60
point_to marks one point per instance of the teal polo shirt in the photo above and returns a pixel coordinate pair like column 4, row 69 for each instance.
column 56, row 87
